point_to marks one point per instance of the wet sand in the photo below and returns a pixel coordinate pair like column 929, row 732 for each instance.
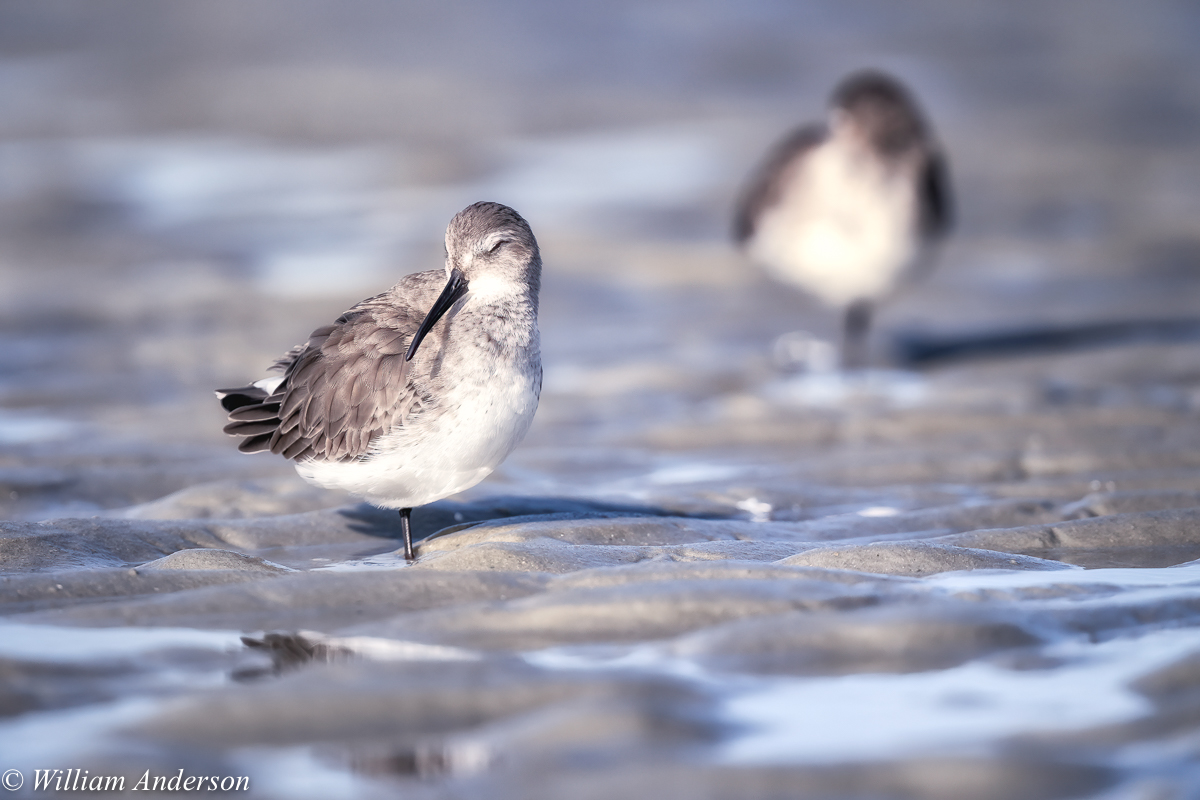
column 706, row 573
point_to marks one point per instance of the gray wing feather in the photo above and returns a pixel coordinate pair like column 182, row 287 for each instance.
column 766, row 183
column 343, row 388
column 937, row 202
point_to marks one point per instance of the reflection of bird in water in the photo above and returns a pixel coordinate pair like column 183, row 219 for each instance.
column 850, row 210
column 391, row 406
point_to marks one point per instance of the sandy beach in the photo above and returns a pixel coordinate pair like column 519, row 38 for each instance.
column 710, row 570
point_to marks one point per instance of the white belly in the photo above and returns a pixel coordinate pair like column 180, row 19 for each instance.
column 449, row 449
column 843, row 229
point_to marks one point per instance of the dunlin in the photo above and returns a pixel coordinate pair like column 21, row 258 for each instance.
column 850, row 210
column 417, row 393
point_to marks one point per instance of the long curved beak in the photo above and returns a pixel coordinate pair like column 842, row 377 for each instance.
column 456, row 287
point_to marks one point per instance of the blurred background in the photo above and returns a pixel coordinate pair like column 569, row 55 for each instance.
column 187, row 189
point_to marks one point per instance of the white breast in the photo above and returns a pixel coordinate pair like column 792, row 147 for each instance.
column 844, row 228
column 450, row 448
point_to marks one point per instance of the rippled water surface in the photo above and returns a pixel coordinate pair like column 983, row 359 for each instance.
column 716, row 567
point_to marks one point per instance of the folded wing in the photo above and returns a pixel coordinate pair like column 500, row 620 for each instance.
column 340, row 391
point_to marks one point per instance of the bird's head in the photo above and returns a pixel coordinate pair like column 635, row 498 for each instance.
column 876, row 108
column 490, row 255
column 494, row 249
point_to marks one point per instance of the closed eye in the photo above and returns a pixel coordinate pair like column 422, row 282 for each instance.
column 496, row 247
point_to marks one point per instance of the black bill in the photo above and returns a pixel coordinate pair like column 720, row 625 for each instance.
column 456, row 287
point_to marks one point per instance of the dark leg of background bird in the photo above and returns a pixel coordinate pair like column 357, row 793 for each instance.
column 407, row 527
column 854, row 334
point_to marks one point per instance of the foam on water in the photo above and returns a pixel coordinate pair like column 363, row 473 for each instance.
column 759, row 510
column 692, row 472
column 60, row 644
column 648, row 658
column 878, row 511
column 392, row 650
column 957, row 710
column 893, row 388
column 1179, row 576
column 391, row 560
column 55, row 739
column 961, row 710
column 69, row 737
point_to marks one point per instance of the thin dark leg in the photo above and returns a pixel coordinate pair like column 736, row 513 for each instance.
column 406, row 525
column 854, row 334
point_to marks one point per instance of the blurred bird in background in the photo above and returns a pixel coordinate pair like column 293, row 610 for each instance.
column 850, row 210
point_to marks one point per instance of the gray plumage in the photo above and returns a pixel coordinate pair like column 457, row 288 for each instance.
column 343, row 387
column 437, row 376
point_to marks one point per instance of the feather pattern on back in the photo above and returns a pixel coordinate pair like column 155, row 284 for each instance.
column 343, row 388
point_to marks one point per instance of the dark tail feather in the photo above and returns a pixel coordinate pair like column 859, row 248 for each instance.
column 233, row 399
column 250, row 417
column 256, row 443
column 251, row 428
column 255, row 413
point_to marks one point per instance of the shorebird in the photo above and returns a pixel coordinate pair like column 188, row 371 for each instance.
column 850, row 210
column 417, row 393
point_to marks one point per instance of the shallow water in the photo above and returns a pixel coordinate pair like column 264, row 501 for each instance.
column 716, row 567
column 956, row 711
